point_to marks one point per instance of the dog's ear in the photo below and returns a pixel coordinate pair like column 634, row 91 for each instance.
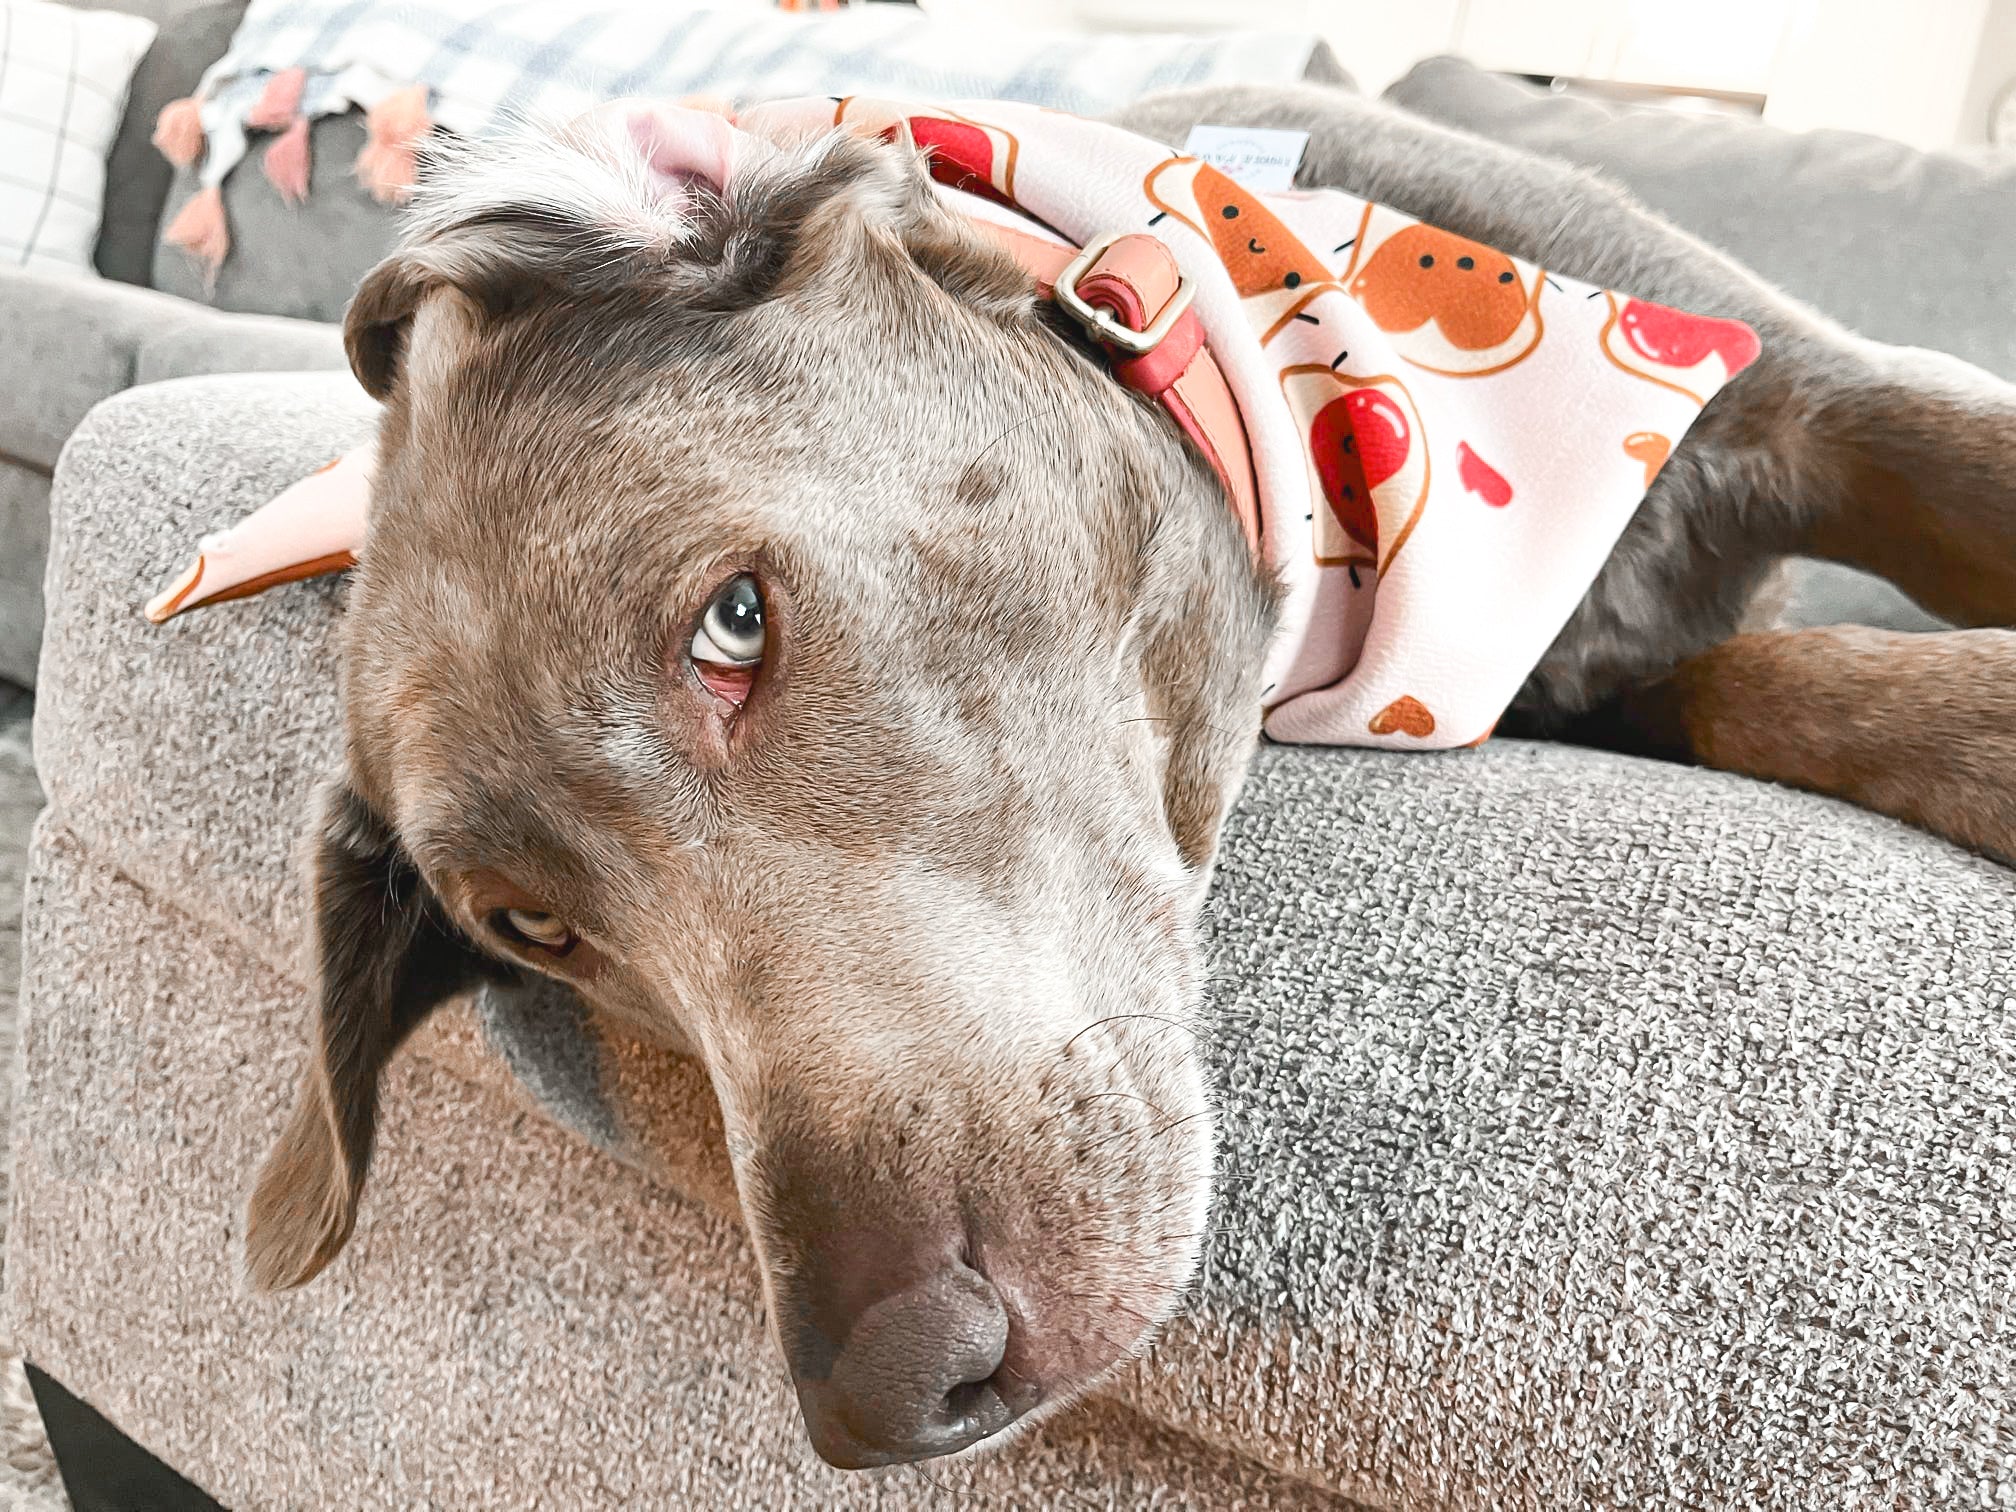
column 374, row 329
column 468, row 276
column 387, row 956
column 970, row 267
column 538, row 211
column 858, row 193
column 656, row 203
column 1201, row 635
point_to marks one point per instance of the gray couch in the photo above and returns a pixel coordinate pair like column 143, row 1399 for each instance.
column 1596, row 1132
column 66, row 343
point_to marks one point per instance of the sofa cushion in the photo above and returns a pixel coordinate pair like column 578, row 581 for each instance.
column 75, row 340
column 71, row 342
column 1888, row 240
column 1594, row 1131
column 136, row 176
column 221, row 343
column 24, row 537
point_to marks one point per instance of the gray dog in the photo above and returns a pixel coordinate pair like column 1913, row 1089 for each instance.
column 718, row 654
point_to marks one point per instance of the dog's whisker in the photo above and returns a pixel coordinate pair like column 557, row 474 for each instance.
column 1172, row 719
column 1134, row 1096
column 1108, row 1139
column 1076, row 1105
column 1113, row 1018
column 939, row 1486
column 1178, row 1123
column 1204, row 1233
column 1141, row 1318
column 1029, row 419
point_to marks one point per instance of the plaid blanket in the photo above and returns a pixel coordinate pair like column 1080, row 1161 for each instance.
column 479, row 61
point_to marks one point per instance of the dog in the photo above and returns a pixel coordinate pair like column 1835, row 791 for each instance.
column 721, row 654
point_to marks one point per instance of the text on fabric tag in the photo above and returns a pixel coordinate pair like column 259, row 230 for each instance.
column 1260, row 157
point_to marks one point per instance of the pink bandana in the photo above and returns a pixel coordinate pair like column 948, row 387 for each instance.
column 1447, row 440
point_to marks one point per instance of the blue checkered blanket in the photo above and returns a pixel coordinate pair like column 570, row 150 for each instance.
column 482, row 61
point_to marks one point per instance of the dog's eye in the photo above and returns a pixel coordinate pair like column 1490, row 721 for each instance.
column 731, row 631
column 728, row 646
column 541, row 931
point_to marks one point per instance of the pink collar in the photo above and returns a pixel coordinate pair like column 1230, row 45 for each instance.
column 1128, row 293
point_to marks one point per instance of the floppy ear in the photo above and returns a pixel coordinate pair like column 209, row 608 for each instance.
column 387, row 957
column 374, row 327
column 532, row 209
column 1203, row 636
column 488, row 275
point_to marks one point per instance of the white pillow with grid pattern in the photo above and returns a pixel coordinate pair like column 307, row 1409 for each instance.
column 63, row 80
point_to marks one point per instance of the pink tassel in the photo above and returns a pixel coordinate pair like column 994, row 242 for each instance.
column 279, row 102
column 389, row 163
column 286, row 162
column 178, row 131
column 200, row 230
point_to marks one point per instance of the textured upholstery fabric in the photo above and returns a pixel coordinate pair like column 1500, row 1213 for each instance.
column 217, row 343
column 1888, row 240
column 1595, row 1132
column 24, row 534
column 70, row 342
column 136, row 175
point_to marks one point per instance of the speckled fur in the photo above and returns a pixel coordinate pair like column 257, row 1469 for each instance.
column 927, row 907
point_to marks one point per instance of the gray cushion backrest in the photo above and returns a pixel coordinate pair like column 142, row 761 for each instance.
column 1902, row 245
column 297, row 260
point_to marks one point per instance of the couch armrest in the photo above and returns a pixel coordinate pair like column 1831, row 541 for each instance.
column 223, row 343
column 71, row 341
column 183, row 753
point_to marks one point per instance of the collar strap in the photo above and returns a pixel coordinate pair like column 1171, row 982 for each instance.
column 1135, row 303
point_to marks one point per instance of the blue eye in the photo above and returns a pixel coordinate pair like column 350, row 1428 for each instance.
column 731, row 631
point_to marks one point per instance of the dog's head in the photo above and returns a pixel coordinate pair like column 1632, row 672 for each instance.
column 773, row 629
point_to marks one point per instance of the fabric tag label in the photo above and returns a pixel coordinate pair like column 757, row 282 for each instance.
column 1260, row 157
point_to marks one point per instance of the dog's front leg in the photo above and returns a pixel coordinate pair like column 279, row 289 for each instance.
column 1919, row 727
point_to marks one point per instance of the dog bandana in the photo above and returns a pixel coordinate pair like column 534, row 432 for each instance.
column 1447, row 440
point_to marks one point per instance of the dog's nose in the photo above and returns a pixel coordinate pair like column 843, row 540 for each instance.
column 916, row 1372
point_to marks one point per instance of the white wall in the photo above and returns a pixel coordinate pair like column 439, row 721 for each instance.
column 1924, row 71
column 1899, row 70
column 1994, row 71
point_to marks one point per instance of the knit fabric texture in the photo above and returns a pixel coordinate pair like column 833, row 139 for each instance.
column 1595, row 1132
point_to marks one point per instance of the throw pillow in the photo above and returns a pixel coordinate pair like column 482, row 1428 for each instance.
column 193, row 37
column 63, row 80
